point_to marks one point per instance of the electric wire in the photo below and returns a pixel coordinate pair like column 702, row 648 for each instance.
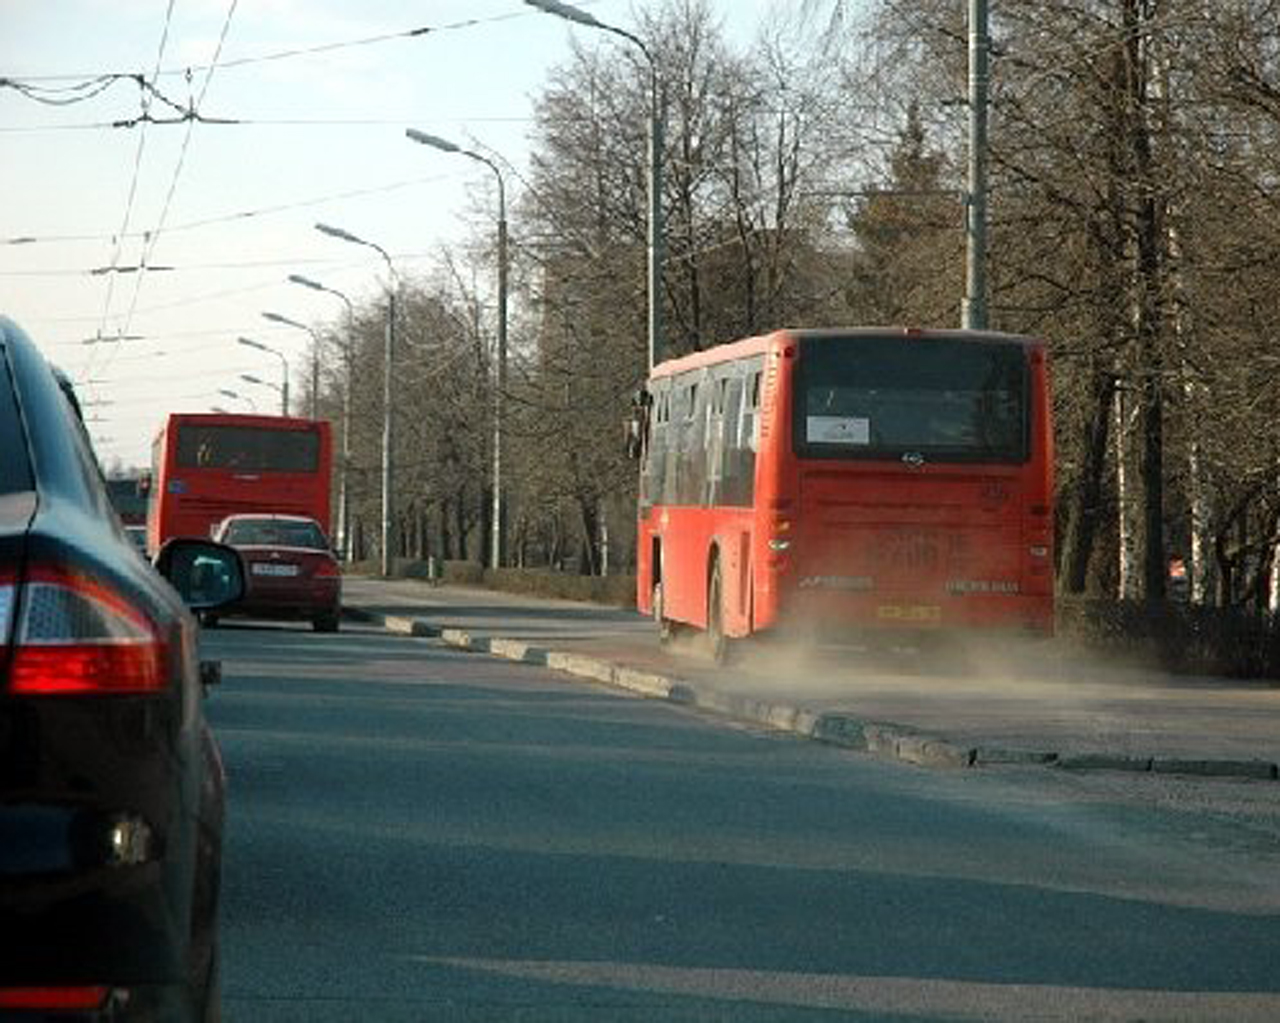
column 227, row 218
column 297, row 51
column 131, row 196
column 152, row 238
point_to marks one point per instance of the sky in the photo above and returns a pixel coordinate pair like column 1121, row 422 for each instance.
column 222, row 213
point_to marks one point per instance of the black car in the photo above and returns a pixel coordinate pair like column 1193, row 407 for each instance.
column 111, row 786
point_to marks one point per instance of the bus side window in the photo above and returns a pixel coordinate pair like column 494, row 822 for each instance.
column 693, row 482
column 654, row 449
column 714, row 440
column 739, row 465
column 670, row 450
column 748, row 434
column 680, row 432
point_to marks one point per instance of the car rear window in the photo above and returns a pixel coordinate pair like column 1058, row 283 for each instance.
column 269, row 533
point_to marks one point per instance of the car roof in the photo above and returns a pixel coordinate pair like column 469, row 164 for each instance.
column 267, row 517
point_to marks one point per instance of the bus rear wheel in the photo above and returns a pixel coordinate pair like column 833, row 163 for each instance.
column 666, row 627
column 717, row 641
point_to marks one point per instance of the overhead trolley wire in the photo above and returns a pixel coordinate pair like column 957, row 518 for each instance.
column 27, row 81
column 153, row 237
column 136, row 176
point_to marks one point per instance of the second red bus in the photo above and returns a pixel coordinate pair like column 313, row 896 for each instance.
column 206, row 466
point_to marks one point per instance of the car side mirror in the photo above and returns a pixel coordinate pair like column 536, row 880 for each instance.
column 636, row 427
column 207, row 575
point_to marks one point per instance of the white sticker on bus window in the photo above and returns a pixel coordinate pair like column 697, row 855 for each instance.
column 838, row 430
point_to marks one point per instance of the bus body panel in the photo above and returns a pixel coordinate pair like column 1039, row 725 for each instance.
column 678, row 543
column 680, row 546
column 855, row 544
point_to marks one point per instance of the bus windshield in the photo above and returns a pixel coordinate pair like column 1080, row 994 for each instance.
column 247, row 448
column 940, row 398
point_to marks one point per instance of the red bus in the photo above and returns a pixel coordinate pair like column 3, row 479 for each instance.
column 848, row 482
column 206, row 466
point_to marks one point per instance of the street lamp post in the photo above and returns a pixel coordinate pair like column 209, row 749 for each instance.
column 315, row 356
column 253, row 405
column 250, row 378
column 388, row 357
column 284, row 369
column 500, row 381
column 974, row 307
column 655, row 241
column 344, row 511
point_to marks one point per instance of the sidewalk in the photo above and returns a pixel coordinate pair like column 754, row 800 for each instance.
column 1060, row 711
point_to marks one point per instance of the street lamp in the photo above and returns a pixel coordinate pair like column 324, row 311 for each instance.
column 284, row 369
column 388, row 357
column 253, row 405
column 656, row 103
column 315, row 356
column 500, row 383
column 250, row 378
column 110, row 339
column 343, row 510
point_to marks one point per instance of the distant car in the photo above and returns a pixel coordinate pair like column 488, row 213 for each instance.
column 291, row 570
column 111, row 785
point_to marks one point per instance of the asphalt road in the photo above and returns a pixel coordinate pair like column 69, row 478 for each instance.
column 1049, row 699
column 418, row 833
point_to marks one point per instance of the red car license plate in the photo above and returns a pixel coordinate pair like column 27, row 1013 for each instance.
column 266, row 568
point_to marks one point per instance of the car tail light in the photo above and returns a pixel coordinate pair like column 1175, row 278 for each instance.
column 54, row 999
column 73, row 635
column 327, row 570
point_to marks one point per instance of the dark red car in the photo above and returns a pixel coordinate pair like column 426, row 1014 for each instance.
column 290, row 570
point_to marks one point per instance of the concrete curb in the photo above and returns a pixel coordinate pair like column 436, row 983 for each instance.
column 881, row 738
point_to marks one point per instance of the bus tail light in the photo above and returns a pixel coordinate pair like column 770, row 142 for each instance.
column 72, row 636
column 781, row 538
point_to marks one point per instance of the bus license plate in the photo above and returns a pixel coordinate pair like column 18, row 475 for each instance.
column 263, row 568
column 916, row 613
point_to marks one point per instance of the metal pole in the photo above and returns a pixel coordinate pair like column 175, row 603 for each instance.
column 343, row 497
column 500, row 383
column 388, row 355
column 344, row 517
column 344, row 512
column 387, row 379
column 975, row 302
column 657, row 346
column 656, row 255
column 500, row 372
